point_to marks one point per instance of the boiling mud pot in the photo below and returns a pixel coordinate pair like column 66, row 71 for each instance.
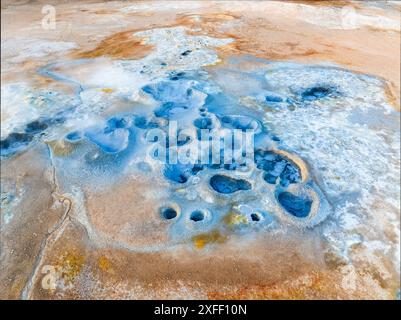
column 272, row 188
column 226, row 185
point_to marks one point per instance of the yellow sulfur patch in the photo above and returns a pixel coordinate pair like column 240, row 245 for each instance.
column 104, row 263
column 70, row 265
column 107, row 90
column 233, row 218
column 214, row 236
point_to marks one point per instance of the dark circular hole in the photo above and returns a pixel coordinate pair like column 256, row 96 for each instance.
column 168, row 213
column 204, row 123
column 255, row 217
column 318, row 92
column 226, row 119
column 140, row 122
column 73, row 136
column 197, row 216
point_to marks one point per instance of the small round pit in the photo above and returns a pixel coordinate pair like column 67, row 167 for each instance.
column 197, row 215
column 255, row 217
column 168, row 213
